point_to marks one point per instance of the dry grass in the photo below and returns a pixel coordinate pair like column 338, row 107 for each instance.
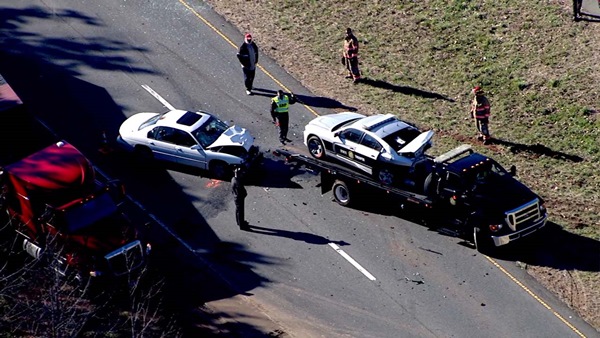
column 539, row 68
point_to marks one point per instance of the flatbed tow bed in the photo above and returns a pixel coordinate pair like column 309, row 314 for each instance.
column 331, row 174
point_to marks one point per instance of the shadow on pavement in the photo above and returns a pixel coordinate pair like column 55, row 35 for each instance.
column 312, row 101
column 295, row 235
column 555, row 247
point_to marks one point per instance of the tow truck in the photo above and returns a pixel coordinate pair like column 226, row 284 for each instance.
column 474, row 195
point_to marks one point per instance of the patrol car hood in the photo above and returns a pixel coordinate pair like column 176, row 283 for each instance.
column 234, row 136
column 417, row 146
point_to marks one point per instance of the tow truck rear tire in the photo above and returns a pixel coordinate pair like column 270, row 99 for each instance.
column 341, row 193
column 315, row 147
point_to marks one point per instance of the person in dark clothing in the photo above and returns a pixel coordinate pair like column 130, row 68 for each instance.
column 248, row 56
column 280, row 106
column 239, row 195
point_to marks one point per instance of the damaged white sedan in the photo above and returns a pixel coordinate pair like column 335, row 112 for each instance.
column 191, row 138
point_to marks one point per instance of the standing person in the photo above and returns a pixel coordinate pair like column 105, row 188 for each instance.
column 248, row 56
column 350, row 54
column 239, row 195
column 280, row 106
column 480, row 111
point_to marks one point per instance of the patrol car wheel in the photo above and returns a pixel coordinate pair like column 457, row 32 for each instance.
column 384, row 176
column 315, row 147
column 341, row 193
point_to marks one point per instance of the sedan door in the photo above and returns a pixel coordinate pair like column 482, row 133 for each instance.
column 160, row 141
column 188, row 151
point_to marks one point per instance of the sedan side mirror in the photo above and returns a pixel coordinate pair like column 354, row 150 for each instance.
column 195, row 147
column 513, row 170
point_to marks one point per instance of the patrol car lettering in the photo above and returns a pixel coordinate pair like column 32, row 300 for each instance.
column 359, row 158
column 343, row 152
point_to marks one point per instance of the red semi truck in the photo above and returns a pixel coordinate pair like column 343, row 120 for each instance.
column 59, row 206
column 58, row 203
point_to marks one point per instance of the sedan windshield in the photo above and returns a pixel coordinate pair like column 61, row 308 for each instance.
column 210, row 131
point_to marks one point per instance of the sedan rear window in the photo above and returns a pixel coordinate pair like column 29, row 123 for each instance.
column 401, row 138
column 189, row 118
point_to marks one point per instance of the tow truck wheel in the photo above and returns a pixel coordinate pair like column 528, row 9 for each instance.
column 384, row 176
column 483, row 244
column 315, row 147
column 341, row 193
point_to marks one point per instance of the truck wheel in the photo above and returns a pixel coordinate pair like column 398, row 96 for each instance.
column 483, row 243
column 427, row 185
column 384, row 176
column 315, row 147
column 143, row 152
column 219, row 170
column 341, row 193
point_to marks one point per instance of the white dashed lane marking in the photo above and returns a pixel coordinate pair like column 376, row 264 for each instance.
column 352, row 261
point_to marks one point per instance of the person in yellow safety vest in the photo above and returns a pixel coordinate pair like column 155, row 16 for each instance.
column 280, row 106
column 480, row 111
column 350, row 56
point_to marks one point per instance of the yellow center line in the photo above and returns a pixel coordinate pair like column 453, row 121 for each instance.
column 216, row 30
column 511, row 277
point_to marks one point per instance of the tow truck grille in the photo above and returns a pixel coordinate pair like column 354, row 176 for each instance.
column 520, row 217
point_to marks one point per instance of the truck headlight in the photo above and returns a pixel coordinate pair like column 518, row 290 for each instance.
column 495, row 227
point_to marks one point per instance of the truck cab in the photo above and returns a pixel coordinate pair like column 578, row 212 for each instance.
column 56, row 202
column 483, row 197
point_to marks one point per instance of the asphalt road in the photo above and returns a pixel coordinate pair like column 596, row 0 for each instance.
column 311, row 267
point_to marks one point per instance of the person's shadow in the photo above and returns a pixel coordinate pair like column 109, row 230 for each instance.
column 312, row 101
column 295, row 235
column 535, row 150
column 403, row 89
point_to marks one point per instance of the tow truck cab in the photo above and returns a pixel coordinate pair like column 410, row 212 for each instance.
column 55, row 200
column 485, row 198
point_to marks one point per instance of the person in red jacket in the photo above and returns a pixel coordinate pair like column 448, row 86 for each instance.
column 480, row 111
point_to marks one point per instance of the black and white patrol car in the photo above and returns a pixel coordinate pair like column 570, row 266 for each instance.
column 379, row 145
